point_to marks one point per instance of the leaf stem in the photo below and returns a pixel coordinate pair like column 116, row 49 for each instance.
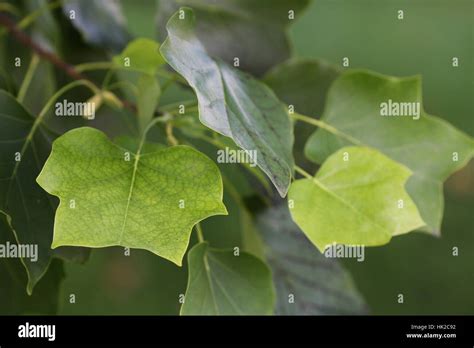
column 164, row 118
column 28, row 77
column 63, row 90
column 219, row 145
column 303, row 172
column 44, row 111
column 169, row 134
column 95, row 66
column 123, row 84
column 325, row 126
column 200, row 235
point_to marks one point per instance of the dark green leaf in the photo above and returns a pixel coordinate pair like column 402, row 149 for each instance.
column 28, row 209
column 13, row 298
column 318, row 285
column 233, row 103
column 253, row 31
column 101, row 23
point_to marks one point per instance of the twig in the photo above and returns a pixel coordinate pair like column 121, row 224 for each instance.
column 24, row 39
column 70, row 70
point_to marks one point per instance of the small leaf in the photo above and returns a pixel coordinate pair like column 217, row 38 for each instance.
column 141, row 55
column 253, row 31
column 223, row 284
column 147, row 100
column 138, row 200
column 428, row 145
column 233, row 103
column 101, row 23
column 307, row 282
column 357, row 198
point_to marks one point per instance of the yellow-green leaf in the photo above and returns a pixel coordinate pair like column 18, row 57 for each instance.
column 110, row 196
column 141, row 55
column 356, row 198
column 432, row 148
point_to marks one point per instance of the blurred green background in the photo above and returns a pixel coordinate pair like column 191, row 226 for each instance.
column 420, row 267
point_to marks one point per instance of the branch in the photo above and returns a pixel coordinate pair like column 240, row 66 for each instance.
column 70, row 70
column 24, row 39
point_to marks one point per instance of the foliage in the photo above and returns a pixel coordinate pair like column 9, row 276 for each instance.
column 379, row 177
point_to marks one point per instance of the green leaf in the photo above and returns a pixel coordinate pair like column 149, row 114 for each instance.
column 150, row 201
column 426, row 145
column 147, row 100
column 318, row 285
column 13, row 298
column 233, row 103
column 101, row 23
column 223, row 284
column 141, row 55
column 25, row 143
column 138, row 64
column 357, row 198
column 253, row 31
column 302, row 83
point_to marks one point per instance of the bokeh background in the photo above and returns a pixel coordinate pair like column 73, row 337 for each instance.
column 420, row 267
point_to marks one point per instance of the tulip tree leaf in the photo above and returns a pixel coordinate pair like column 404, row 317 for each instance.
column 317, row 285
column 357, row 197
column 147, row 100
column 101, row 23
column 138, row 64
column 221, row 283
column 27, row 210
column 13, row 298
column 429, row 146
column 253, row 31
column 140, row 55
column 233, row 103
column 148, row 200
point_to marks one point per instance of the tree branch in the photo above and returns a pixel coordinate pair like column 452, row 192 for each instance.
column 24, row 39
column 70, row 70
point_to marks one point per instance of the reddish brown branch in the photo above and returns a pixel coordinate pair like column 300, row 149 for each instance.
column 25, row 40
